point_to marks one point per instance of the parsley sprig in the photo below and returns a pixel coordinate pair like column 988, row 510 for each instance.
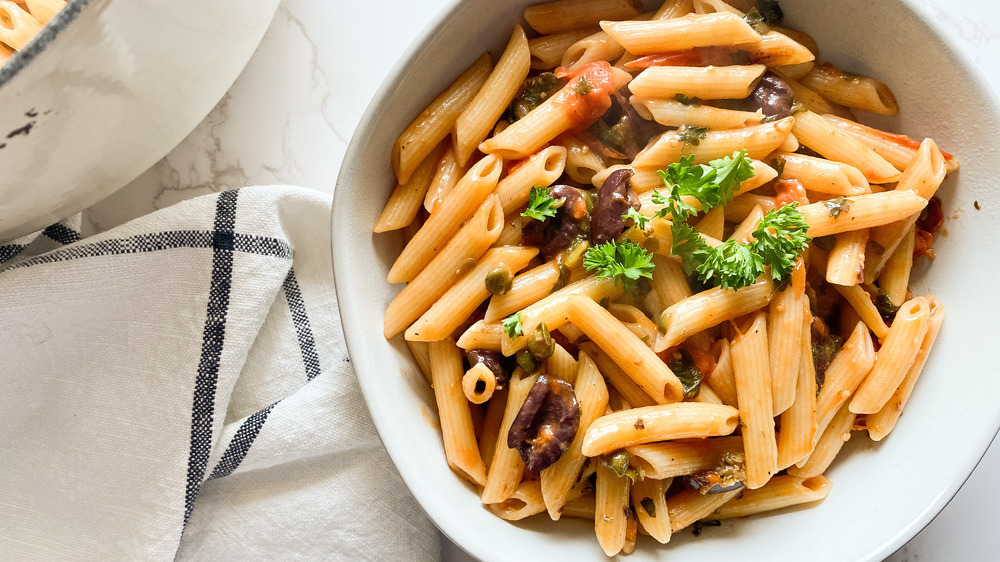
column 512, row 325
column 626, row 260
column 712, row 184
column 541, row 205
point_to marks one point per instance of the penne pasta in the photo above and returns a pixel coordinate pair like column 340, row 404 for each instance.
column 753, row 386
column 757, row 140
column 682, row 457
column 780, row 492
column 453, row 412
column 547, row 51
column 663, row 422
column 681, row 33
column 563, row 15
column 798, row 422
column 709, row 308
column 673, row 113
column 859, row 92
column 849, row 367
column 704, row 82
column 861, row 212
column 820, row 135
column 506, row 466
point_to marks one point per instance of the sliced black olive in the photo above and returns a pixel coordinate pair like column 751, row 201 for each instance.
column 772, row 96
column 557, row 233
column 613, row 200
column 546, row 423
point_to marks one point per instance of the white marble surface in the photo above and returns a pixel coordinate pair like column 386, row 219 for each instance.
column 291, row 113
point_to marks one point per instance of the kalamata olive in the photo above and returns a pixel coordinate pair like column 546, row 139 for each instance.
column 706, row 484
column 546, row 423
column 557, row 233
column 492, row 361
column 728, row 476
column 772, row 96
column 499, row 281
column 613, row 200
column 527, row 361
column 540, row 343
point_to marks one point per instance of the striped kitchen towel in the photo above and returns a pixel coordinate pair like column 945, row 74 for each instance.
column 179, row 388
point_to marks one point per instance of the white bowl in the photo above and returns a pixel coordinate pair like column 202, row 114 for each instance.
column 107, row 89
column 883, row 493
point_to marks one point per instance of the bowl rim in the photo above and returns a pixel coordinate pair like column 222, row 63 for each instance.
column 21, row 59
column 356, row 343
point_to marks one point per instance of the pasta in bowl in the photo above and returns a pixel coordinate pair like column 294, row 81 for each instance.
column 693, row 254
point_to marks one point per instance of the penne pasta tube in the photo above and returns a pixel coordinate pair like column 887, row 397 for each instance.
column 541, row 169
column 680, row 420
column 506, row 466
column 482, row 335
column 859, row 92
column 821, row 136
column 827, row 447
column 861, row 302
column 446, row 177
column 581, row 162
column 798, row 422
column 479, row 383
column 757, row 140
column 559, row 478
column 553, row 17
column 753, row 387
column 551, row 310
column 738, row 209
column 636, row 321
column 922, row 177
column 709, row 308
column 899, row 150
column 44, row 10
column 440, row 227
column 673, row 9
column 547, row 51
column 860, row 212
column 453, row 412
column 881, row 423
column 895, row 276
column 492, row 421
column 713, row 223
column 776, row 48
column 844, row 374
column 823, row 176
column 681, row 33
column 524, row 502
column 22, row 26
column 781, row 492
column 512, row 232
column 572, row 106
column 721, row 380
column 894, row 358
column 422, row 355
column 595, row 47
column 705, row 82
column 562, row 365
column 688, row 506
column 784, row 318
column 649, row 500
column 476, row 121
column 610, row 515
column 744, row 231
column 436, row 121
column 617, row 378
column 808, row 98
column 471, row 242
column 846, row 263
column 680, row 458
column 628, row 351
column 642, row 180
column 673, row 113
column 528, row 288
column 466, row 294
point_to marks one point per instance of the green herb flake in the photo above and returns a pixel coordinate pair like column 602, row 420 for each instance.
column 824, row 350
column 626, row 261
column 692, row 101
column 693, row 135
column 838, row 206
column 886, row 309
column 638, row 219
column 512, row 325
column 755, row 20
column 649, row 506
column 536, row 90
column 689, row 375
column 583, row 86
column 540, row 204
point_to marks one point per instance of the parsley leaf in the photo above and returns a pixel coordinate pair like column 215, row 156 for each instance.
column 780, row 238
column 627, row 261
column 712, row 184
column 583, row 86
column 638, row 218
column 688, row 374
column 755, row 20
column 731, row 265
column 693, row 135
column 689, row 246
column 541, row 204
column 512, row 325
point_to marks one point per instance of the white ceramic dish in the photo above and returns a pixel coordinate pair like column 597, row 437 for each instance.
column 884, row 493
column 107, row 89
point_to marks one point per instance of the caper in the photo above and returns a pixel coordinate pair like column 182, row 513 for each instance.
column 617, row 461
column 499, row 281
column 540, row 344
column 526, row 361
column 563, row 280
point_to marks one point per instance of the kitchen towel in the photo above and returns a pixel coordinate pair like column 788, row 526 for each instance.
column 179, row 388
